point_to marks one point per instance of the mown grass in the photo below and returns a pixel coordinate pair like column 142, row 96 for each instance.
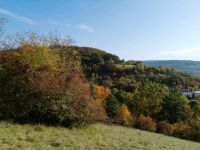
column 95, row 137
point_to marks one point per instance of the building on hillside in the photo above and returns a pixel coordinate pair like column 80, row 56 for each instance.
column 187, row 92
column 196, row 94
column 191, row 94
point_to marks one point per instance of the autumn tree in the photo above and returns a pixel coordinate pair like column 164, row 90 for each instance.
column 101, row 92
column 33, row 38
column 125, row 115
column 43, row 82
column 146, row 123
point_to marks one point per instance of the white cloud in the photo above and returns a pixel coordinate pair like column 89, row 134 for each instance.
column 184, row 54
column 18, row 17
column 84, row 27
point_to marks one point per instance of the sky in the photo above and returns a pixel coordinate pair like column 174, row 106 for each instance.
column 131, row 29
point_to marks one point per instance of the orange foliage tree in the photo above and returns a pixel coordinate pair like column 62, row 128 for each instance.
column 146, row 123
column 101, row 92
column 125, row 115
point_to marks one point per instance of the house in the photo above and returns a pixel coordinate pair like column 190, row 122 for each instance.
column 191, row 94
column 196, row 94
column 187, row 92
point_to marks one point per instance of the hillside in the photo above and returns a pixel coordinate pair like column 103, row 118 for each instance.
column 99, row 136
column 191, row 67
column 107, row 69
column 70, row 86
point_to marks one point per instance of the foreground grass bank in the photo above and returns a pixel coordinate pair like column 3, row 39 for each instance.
column 99, row 136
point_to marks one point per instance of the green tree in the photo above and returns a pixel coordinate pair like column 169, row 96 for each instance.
column 173, row 108
column 112, row 106
column 148, row 98
column 195, row 106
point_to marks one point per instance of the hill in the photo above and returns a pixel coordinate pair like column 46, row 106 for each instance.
column 191, row 67
column 71, row 86
column 107, row 69
column 99, row 136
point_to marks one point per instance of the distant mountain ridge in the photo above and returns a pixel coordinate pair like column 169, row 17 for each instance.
column 187, row 66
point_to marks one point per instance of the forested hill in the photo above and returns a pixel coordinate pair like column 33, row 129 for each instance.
column 110, row 71
column 188, row 66
column 71, row 86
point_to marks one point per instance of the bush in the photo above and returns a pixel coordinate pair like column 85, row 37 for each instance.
column 146, row 123
column 43, row 85
column 189, row 131
column 165, row 127
column 195, row 124
column 182, row 130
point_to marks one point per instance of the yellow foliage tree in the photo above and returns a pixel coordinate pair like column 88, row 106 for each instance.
column 101, row 92
column 39, row 56
column 125, row 115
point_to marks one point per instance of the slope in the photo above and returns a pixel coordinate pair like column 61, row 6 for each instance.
column 99, row 136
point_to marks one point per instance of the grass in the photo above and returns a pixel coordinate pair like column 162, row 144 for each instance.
column 124, row 66
column 95, row 137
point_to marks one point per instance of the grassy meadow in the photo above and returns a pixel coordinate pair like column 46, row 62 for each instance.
column 94, row 137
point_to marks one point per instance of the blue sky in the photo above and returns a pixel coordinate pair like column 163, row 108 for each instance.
column 132, row 29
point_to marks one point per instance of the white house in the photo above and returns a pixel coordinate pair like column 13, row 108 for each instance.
column 191, row 94
column 196, row 94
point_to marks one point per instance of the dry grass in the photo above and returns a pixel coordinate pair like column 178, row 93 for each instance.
column 95, row 137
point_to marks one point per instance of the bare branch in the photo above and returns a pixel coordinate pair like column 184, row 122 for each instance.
column 29, row 37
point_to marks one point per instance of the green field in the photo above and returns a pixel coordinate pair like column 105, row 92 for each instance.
column 124, row 66
column 95, row 137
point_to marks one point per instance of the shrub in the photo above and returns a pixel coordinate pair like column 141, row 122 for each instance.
column 146, row 123
column 13, row 89
column 165, row 127
column 195, row 124
column 190, row 130
column 182, row 130
column 39, row 84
